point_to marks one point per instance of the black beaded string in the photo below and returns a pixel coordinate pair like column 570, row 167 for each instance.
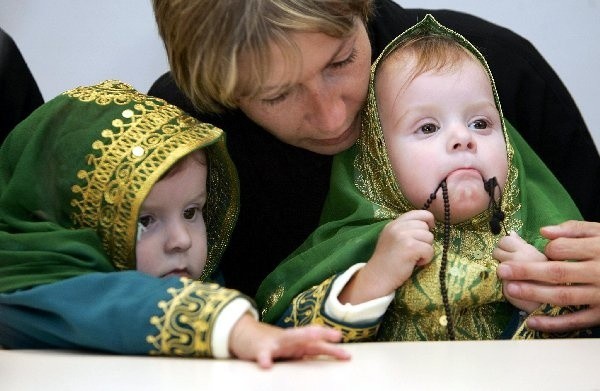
column 446, row 245
column 497, row 214
column 432, row 196
column 495, row 227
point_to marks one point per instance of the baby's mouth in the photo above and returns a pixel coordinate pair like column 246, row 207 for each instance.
column 491, row 187
column 464, row 172
column 178, row 272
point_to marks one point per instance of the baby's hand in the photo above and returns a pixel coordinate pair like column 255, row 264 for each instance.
column 261, row 342
column 514, row 248
column 403, row 244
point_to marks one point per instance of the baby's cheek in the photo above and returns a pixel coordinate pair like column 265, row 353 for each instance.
column 145, row 255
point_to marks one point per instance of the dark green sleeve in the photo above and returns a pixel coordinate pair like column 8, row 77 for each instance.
column 118, row 312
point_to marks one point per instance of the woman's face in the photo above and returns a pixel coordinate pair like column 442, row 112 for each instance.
column 316, row 108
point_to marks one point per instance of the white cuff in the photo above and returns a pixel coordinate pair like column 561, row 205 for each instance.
column 367, row 312
column 228, row 317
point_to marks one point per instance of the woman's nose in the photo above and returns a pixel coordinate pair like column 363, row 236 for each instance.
column 326, row 110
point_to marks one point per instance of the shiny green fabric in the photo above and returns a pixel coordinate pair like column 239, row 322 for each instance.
column 74, row 174
column 364, row 197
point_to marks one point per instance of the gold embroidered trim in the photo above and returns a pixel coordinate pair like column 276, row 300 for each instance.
column 186, row 326
column 107, row 92
column 307, row 309
column 273, row 299
column 523, row 332
column 222, row 204
column 135, row 150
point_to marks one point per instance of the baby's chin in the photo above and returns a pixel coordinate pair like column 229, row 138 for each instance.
column 457, row 215
column 465, row 202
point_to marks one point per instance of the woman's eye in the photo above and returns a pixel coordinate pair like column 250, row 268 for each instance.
column 428, row 129
column 277, row 99
column 145, row 221
column 348, row 60
column 479, row 124
column 190, row 213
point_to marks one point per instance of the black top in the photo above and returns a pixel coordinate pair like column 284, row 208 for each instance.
column 283, row 187
column 19, row 93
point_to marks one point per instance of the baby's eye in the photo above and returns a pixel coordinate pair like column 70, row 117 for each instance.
column 146, row 221
column 479, row 124
column 428, row 128
column 190, row 213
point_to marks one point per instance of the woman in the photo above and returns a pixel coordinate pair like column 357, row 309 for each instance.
column 303, row 68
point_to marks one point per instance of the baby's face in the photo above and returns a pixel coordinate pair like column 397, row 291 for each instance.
column 442, row 124
column 172, row 231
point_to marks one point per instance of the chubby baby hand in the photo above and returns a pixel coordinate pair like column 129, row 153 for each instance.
column 512, row 248
column 261, row 342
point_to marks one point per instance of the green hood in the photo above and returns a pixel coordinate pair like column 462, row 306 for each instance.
column 74, row 174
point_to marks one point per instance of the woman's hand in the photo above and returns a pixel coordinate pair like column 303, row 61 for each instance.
column 561, row 283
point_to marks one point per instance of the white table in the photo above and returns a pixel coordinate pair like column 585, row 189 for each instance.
column 495, row 365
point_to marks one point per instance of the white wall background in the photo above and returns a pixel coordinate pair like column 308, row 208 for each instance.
column 74, row 42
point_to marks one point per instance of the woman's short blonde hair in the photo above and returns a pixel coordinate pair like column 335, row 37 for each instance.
column 205, row 39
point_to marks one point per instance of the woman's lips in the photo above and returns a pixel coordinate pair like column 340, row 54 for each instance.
column 340, row 139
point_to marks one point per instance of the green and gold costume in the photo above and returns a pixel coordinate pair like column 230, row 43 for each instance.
column 73, row 177
column 364, row 196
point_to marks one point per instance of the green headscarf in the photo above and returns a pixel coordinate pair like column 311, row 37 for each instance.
column 364, row 196
column 74, row 174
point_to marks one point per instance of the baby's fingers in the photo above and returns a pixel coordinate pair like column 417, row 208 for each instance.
column 420, row 215
column 311, row 341
column 512, row 242
column 264, row 359
column 321, row 348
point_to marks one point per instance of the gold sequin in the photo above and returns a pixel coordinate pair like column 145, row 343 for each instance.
column 137, row 151
column 443, row 320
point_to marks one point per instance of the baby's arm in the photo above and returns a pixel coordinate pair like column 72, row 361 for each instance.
column 134, row 313
column 514, row 248
column 355, row 304
column 403, row 244
column 237, row 332
column 318, row 305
